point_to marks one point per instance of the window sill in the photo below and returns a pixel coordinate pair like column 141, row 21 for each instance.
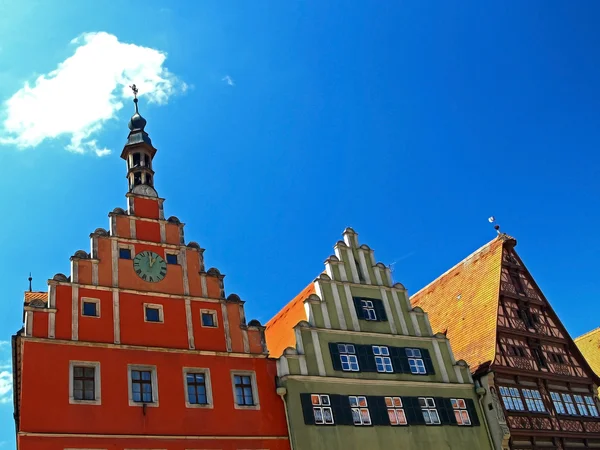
column 199, row 405
column 249, row 407
column 72, row 401
column 141, row 404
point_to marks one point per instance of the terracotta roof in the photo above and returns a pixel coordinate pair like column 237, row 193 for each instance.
column 30, row 296
column 589, row 345
column 464, row 302
column 280, row 329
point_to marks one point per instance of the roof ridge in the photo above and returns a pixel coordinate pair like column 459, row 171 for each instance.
column 480, row 249
column 595, row 330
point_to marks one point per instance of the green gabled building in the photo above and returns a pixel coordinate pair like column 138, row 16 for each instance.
column 359, row 367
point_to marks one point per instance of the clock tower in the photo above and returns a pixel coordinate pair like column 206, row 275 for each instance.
column 139, row 347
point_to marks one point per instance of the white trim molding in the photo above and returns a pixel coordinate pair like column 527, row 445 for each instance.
column 153, row 379
column 252, row 376
column 97, row 382
column 207, row 387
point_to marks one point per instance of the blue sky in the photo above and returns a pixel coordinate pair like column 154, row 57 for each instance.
column 412, row 122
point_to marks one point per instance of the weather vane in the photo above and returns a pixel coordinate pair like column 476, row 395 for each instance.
column 135, row 99
column 496, row 226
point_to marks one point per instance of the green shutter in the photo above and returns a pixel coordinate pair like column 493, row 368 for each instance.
column 427, row 361
column 307, row 409
column 335, row 356
column 472, row 412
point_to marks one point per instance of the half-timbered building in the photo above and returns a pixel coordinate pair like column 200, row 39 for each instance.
column 540, row 391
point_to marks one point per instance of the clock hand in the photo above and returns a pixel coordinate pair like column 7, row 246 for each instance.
column 151, row 262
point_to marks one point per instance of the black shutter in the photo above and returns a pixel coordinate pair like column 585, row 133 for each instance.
column 427, row 361
column 380, row 310
column 358, row 306
column 472, row 412
column 445, row 411
column 307, row 409
column 342, row 414
column 335, row 356
column 414, row 415
column 399, row 360
column 378, row 410
column 366, row 358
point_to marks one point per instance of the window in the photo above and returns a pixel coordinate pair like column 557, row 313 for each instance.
column 153, row 313
column 516, row 350
column 137, row 178
column 415, row 361
column 512, row 399
column 209, row 318
column 569, row 405
column 539, row 357
column 460, row 411
column 125, row 253
column 581, row 405
column 395, row 411
column 533, row 399
column 143, row 385
column 382, row 359
column 136, row 159
column 244, row 390
column 429, row 411
column 558, row 404
column 348, row 357
column 589, row 401
column 197, row 391
column 322, row 409
column 368, row 309
column 360, row 411
column 84, row 382
column 171, row 258
column 556, row 358
column 90, row 307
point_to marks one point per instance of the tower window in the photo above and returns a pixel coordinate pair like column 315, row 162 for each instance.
column 124, row 253
column 153, row 313
column 148, row 179
column 136, row 159
column 90, row 307
column 171, row 258
column 146, row 160
column 137, row 178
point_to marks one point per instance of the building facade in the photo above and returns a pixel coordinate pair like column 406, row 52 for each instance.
column 539, row 391
column 589, row 346
column 138, row 347
column 360, row 368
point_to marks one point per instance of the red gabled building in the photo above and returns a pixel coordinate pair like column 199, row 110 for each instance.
column 138, row 347
column 540, row 393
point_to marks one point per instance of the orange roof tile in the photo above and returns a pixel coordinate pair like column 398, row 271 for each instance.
column 279, row 331
column 589, row 346
column 30, row 296
column 464, row 301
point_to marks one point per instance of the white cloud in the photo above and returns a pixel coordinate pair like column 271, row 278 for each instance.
column 227, row 79
column 84, row 91
column 5, row 386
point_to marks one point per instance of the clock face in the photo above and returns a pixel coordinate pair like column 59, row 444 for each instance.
column 149, row 266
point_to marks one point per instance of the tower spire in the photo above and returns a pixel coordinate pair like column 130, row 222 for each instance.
column 138, row 153
column 30, row 280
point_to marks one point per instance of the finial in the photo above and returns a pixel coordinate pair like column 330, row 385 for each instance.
column 496, row 226
column 30, row 280
column 135, row 99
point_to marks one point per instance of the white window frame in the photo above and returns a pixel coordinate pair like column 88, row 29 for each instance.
column 213, row 313
column 91, row 300
column 461, row 413
column 97, row 383
column 382, row 357
column 396, row 408
column 252, row 375
column 429, row 410
column 368, row 310
column 511, row 397
column 161, row 314
column 209, row 398
column 359, row 406
column 349, row 352
column 174, row 254
column 321, row 403
column 415, row 360
column 533, row 400
column 153, row 378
